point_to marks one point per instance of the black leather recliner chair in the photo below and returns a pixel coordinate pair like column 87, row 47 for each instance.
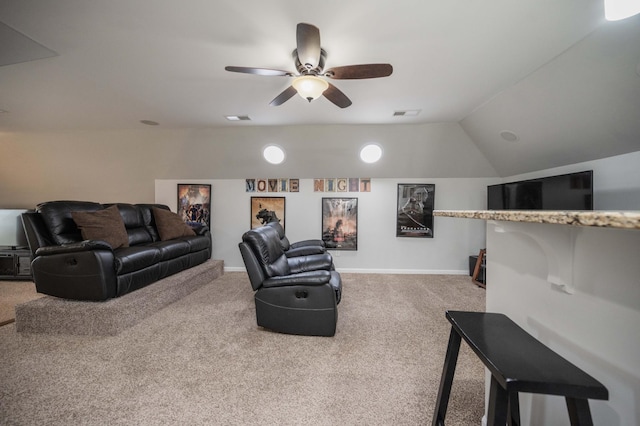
column 293, row 295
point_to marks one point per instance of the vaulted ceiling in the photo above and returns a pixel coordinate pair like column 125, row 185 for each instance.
column 553, row 75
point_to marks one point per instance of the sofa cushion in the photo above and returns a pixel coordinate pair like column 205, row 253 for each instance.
column 171, row 249
column 148, row 219
column 105, row 225
column 197, row 243
column 133, row 223
column 170, row 225
column 131, row 259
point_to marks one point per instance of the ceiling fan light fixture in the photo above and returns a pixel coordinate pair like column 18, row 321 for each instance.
column 310, row 87
column 615, row 10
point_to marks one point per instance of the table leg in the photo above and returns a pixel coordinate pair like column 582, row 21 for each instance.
column 514, row 409
column 498, row 404
column 446, row 380
column 579, row 412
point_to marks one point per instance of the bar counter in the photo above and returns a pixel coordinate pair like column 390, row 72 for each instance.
column 572, row 280
column 606, row 219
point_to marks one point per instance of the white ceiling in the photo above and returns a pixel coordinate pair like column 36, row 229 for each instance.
column 551, row 71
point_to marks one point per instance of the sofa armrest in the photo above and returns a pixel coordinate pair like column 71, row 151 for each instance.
column 305, row 243
column 311, row 278
column 77, row 273
column 86, row 245
column 36, row 231
column 199, row 229
column 304, row 251
column 313, row 262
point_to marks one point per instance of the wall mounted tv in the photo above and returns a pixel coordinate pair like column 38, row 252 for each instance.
column 573, row 191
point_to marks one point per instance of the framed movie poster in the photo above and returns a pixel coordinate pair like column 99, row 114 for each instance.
column 266, row 209
column 415, row 210
column 194, row 203
column 340, row 223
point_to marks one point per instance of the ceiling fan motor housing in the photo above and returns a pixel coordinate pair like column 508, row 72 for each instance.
column 305, row 69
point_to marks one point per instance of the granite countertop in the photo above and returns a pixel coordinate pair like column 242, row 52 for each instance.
column 598, row 218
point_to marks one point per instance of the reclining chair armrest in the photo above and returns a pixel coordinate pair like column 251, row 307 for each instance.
column 86, row 245
column 304, row 251
column 311, row 278
column 304, row 243
column 312, row 262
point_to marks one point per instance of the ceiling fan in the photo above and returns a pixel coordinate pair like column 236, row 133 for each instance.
column 309, row 60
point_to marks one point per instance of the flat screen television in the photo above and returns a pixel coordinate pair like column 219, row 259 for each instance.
column 11, row 229
column 573, row 191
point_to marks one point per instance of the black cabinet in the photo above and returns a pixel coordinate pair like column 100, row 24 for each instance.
column 15, row 263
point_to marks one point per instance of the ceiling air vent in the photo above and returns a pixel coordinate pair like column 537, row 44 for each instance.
column 238, row 117
column 407, row 113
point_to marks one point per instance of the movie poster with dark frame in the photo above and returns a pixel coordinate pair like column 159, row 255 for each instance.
column 414, row 212
column 194, row 203
column 270, row 204
column 340, row 223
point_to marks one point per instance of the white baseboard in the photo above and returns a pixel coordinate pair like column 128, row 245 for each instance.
column 404, row 271
column 380, row 271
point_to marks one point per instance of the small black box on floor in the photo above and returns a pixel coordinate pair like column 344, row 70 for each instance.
column 472, row 266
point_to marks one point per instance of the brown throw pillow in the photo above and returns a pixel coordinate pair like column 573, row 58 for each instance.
column 170, row 225
column 105, row 225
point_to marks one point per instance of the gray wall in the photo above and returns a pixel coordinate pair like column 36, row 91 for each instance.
column 379, row 250
column 616, row 180
column 122, row 165
column 128, row 166
column 580, row 106
column 144, row 166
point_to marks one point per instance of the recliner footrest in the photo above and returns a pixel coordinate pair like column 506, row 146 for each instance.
column 292, row 320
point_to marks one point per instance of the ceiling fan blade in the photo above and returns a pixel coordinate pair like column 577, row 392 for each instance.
column 308, row 45
column 354, row 72
column 259, row 71
column 284, row 96
column 336, row 96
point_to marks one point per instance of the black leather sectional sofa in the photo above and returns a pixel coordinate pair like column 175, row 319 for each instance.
column 90, row 251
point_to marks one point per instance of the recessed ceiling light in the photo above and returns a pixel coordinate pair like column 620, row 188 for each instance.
column 273, row 154
column 149, row 122
column 509, row 136
column 407, row 113
column 615, row 10
column 371, row 153
column 237, row 117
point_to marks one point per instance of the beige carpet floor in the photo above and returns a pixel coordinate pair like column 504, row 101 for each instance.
column 13, row 293
column 203, row 361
